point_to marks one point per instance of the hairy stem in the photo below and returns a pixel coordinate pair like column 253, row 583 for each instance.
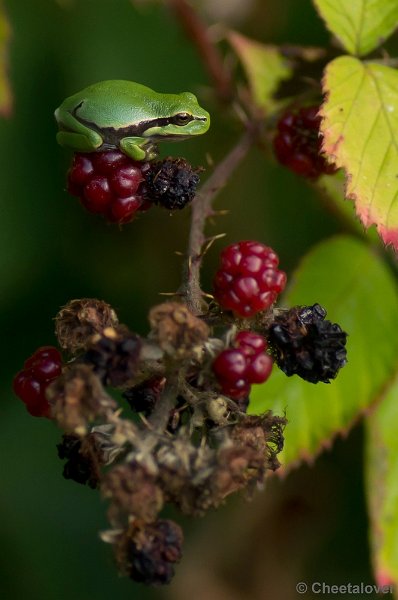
column 201, row 210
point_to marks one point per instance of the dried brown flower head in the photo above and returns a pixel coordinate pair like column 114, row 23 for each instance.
column 78, row 398
column 79, row 320
column 177, row 331
column 133, row 493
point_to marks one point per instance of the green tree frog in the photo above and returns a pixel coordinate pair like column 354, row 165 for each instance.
column 128, row 116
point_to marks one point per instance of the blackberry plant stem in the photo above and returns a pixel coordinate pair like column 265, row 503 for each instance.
column 202, row 209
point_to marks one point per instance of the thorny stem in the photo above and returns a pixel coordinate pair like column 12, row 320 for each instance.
column 202, row 209
column 211, row 58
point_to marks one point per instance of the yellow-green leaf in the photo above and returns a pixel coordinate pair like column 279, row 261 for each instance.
column 360, row 25
column 264, row 66
column 5, row 90
column 381, row 471
column 360, row 294
column 360, row 129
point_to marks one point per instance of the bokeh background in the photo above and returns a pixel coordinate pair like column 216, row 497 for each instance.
column 310, row 526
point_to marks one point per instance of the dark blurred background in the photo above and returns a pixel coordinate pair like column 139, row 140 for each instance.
column 310, row 526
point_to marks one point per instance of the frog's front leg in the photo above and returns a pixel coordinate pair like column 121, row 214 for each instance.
column 77, row 136
column 139, row 148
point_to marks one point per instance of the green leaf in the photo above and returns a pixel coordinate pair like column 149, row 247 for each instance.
column 360, row 25
column 381, row 471
column 264, row 66
column 5, row 90
column 360, row 129
column 360, row 294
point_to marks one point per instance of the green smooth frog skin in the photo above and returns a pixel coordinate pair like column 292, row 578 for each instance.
column 127, row 116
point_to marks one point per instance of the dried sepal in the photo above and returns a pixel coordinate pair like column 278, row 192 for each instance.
column 114, row 355
column 263, row 434
column 79, row 320
column 178, row 332
column 77, row 398
column 133, row 492
column 83, row 459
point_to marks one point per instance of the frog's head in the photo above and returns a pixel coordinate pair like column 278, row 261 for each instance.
column 183, row 118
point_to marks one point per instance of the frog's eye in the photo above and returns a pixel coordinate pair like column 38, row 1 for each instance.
column 182, row 118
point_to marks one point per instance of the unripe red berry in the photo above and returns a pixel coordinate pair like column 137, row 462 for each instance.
column 126, row 180
column 81, row 171
column 26, row 388
column 248, row 280
column 230, row 365
column 105, row 163
column 123, row 210
column 97, row 194
column 250, row 343
column 238, row 390
column 298, row 143
column 31, row 383
column 259, row 369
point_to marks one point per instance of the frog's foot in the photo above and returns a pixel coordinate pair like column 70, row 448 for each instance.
column 135, row 149
column 152, row 151
column 78, row 141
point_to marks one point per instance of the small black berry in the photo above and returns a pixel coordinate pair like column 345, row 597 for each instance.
column 306, row 344
column 171, row 183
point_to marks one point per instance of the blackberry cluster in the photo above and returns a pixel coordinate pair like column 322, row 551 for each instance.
column 298, row 143
column 246, row 363
column 31, row 382
column 108, row 183
column 113, row 185
column 306, row 344
column 248, row 280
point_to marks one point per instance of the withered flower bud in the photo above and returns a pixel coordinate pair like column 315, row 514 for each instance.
column 144, row 396
column 114, row 355
column 263, row 434
column 236, row 467
column 77, row 398
column 79, row 320
column 147, row 553
column 133, row 492
column 83, row 459
column 178, row 332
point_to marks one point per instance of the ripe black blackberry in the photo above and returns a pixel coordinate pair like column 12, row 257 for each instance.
column 306, row 344
column 171, row 182
column 298, row 143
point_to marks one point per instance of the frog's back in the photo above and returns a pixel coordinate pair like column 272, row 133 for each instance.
column 116, row 103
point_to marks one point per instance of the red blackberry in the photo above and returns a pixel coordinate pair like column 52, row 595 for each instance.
column 31, row 383
column 297, row 143
column 248, row 280
column 108, row 183
column 237, row 368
